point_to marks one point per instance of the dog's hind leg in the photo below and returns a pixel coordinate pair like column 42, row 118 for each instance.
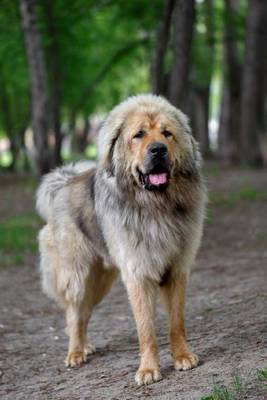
column 173, row 293
column 77, row 316
column 98, row 284
column 75, row 285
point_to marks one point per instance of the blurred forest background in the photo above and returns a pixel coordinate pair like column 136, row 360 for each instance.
column 65, row 63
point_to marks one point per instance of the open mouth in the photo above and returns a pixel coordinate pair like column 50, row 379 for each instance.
column 154, row 180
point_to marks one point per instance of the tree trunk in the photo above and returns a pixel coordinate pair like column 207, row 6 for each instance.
column 80, row 138
column 200, row 118
column 162, row 44
column 198, row 109
column 183, row 20
column 55, row 77
column 254, row 75
column 41, row 117
column 224, row 143
column 229, row 129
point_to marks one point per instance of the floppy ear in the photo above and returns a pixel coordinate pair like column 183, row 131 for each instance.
column 107, row 139
column 195, row 152
column 193, row 160
column 109, row 161
column 183, row 120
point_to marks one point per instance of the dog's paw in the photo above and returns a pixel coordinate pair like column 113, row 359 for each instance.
column 76, row 358
column 89, row 349
column 186, row 361
column 147, row 376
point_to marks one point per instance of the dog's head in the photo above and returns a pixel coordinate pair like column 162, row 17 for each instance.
column 147, row 142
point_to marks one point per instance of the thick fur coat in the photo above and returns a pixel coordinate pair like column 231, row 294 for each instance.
column 138, row 211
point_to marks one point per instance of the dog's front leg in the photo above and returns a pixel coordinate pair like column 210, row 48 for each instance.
column 142, row 296
column 174, row 296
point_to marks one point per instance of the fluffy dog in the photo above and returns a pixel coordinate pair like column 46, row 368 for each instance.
column 139, row 211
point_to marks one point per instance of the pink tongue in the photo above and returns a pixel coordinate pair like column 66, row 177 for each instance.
column 158, row 179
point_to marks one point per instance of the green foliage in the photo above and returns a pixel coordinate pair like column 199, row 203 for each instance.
column 18, row 239
column 5, row 159
column 97, row 52
column 88, row 35
column 14, row 94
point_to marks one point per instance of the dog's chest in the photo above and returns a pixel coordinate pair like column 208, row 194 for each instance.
column 141, row 244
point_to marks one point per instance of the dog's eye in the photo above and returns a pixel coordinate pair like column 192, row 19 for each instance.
column 166, row 133
column 139, row 135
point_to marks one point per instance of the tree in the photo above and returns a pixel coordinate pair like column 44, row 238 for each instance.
column 253, row 83
column 41, row 116
column 14, row 95
column 54, row 74
column 203, row 61
column 183, row 21
column 229, row 129
column 161, row 48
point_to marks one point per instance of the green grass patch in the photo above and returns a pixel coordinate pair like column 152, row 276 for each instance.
column 245, row 194
column 239, row 388
column 212, row 170
column 220, row 392
column 18, row 238
column 239, row 384
column 262, row 375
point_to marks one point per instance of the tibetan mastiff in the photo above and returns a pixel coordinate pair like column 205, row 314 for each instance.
column 138, row 212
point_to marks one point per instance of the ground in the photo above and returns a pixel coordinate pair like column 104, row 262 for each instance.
column 226, row 309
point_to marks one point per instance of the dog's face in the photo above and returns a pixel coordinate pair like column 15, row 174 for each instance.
column 148, row 143
column 151, row 142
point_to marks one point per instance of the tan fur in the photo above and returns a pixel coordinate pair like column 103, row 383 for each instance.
column 101, row 220
column 173, row 294
column 142, row 297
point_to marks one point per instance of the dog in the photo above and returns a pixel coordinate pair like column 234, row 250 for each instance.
column 139, row 212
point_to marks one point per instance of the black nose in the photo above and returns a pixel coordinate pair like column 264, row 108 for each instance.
column 157, row 149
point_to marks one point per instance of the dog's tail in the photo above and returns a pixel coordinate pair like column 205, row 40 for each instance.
column 54, row 181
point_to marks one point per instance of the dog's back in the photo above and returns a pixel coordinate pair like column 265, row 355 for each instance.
column 56, row 180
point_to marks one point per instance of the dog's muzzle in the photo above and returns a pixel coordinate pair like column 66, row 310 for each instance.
column 156, row 167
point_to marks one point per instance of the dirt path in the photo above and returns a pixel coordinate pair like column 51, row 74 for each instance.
column 226, row 318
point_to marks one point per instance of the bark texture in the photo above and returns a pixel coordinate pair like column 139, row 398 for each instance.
column 254, row 76
column 199, row 111
column 161, row 48
column 229, row 136
column 41, row 117
column 200, row 96
column 55, row 76
column 183, row 23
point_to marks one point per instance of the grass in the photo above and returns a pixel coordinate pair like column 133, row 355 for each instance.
column 212, row 170
column 245, row 194
column 262, row 376
column 18, row 239
column 239, row 388
column 239, row 384
column 220, row 392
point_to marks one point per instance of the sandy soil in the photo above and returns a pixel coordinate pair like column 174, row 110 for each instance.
column 226, row 317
